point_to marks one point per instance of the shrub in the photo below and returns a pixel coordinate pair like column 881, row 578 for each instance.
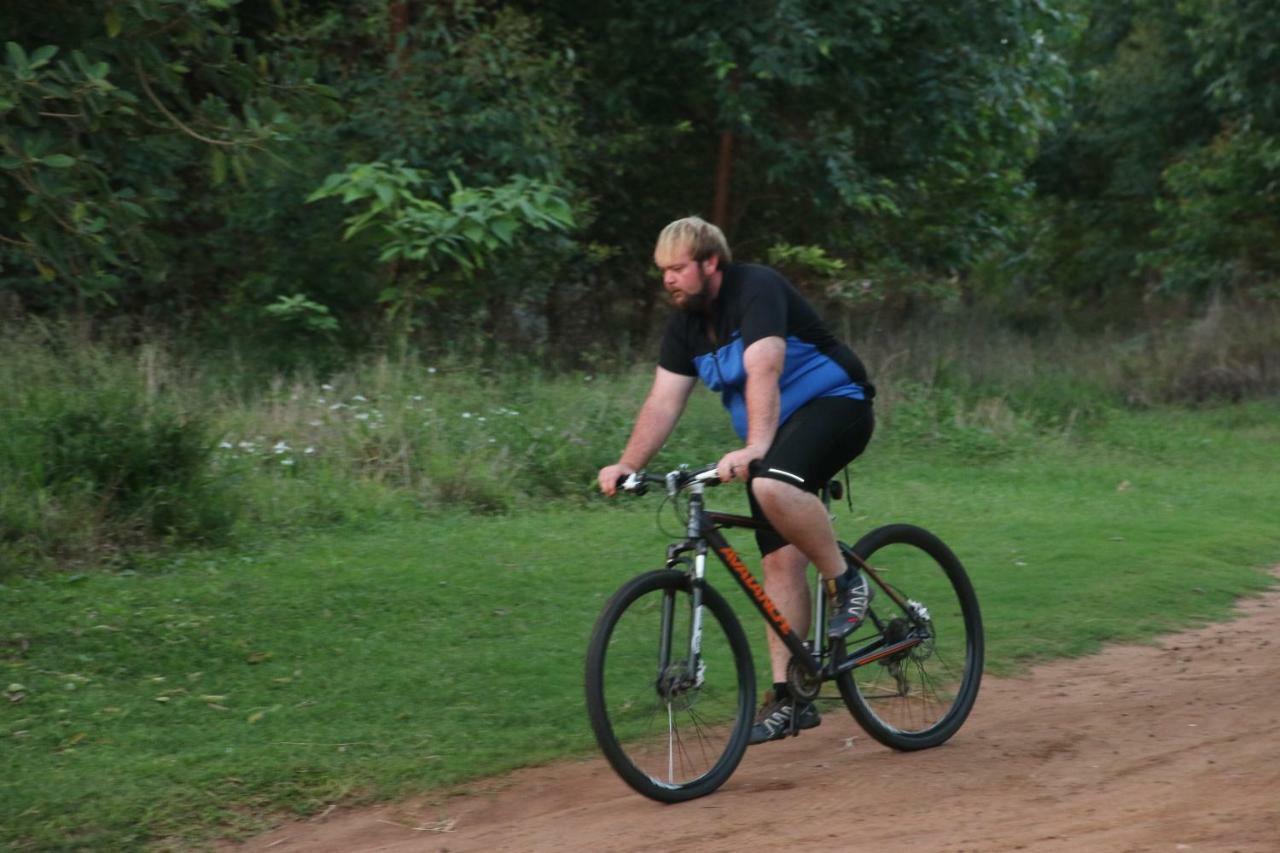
column 92, row 460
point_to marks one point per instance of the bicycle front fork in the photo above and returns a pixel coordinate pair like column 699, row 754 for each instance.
column 685, row 672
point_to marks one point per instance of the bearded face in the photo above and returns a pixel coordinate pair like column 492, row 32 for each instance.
column 686, row 280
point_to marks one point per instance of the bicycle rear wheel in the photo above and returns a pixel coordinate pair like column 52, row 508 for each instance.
column 918, row 697
column 671, row 731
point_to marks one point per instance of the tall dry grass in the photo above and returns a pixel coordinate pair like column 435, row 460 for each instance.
column 108, row 449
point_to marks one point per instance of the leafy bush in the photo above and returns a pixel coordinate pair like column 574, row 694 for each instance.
column 1220, row 228
column 93, row 461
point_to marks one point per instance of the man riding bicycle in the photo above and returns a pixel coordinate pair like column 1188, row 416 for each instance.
column 800, row 400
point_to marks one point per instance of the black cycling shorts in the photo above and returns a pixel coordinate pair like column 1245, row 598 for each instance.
column 823, row 436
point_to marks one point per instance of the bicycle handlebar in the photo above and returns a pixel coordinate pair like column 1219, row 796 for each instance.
column 638, row 483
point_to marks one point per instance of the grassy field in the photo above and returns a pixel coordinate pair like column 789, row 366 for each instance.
column 205, row 694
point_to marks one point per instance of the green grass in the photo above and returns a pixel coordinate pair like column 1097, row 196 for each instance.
column 207, row 694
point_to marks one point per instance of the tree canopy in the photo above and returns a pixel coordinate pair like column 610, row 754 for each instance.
column 343, row 171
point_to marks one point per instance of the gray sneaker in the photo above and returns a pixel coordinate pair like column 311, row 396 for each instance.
column 774, row 720
column 849, row 601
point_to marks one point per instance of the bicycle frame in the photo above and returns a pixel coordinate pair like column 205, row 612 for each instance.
column 704, row 533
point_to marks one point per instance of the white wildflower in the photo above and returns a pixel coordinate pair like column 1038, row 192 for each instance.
column 310, row 451
column 466, row 414
column 362, row 416
column 286, row 461
column 280, row 447
column 360, row 398
column 431, row 370
column 225, row 445
column 326, row 387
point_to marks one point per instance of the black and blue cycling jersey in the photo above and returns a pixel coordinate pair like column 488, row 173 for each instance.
column 756, row 302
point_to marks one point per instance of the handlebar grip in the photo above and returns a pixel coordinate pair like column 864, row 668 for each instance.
column 634, row 483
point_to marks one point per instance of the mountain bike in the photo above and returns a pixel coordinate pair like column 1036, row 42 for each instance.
column 670, row 682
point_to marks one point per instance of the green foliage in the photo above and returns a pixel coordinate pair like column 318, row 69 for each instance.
column 1220, row 228
column 1219, row 221
column 92, row 461
column 462, row 236
column 298, row 310
column 109, row 134
column 906, row 124
column 1236, row 46
column 1160, row 178
column 811, row 259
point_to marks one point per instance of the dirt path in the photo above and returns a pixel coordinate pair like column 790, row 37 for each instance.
column 1168, row 747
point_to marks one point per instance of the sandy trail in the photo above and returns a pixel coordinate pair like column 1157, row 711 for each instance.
column 1174, row 746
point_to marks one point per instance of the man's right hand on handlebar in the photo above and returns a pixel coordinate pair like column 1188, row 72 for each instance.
column 611, row 474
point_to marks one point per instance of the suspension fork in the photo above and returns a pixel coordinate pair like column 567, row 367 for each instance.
column 697, row 583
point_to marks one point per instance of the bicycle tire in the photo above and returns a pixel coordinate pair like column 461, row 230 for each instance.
column 669, row 748
column 918, row 698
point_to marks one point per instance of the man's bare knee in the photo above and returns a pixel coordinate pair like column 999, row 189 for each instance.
column 785, row 563
column 769, row 491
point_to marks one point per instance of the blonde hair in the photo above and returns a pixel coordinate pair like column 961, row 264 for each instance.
column 700, row 237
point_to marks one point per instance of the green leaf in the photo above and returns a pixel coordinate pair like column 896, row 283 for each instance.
column 17, row 56
column 473, row 232
column 8, row 162
column 43, row 54
column 114, row 23
column 58, row 161
column 218, row 166
column 505, row 228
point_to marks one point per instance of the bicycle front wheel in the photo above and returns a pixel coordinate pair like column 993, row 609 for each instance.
column 673, row 725
column 918, row 697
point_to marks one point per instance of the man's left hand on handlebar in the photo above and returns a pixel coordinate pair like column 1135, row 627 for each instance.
column 733, row 465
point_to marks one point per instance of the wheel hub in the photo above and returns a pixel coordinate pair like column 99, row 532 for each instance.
column 675, row 685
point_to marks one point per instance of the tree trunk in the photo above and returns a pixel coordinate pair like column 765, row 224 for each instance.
column 397, row 33
column 724, row 172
